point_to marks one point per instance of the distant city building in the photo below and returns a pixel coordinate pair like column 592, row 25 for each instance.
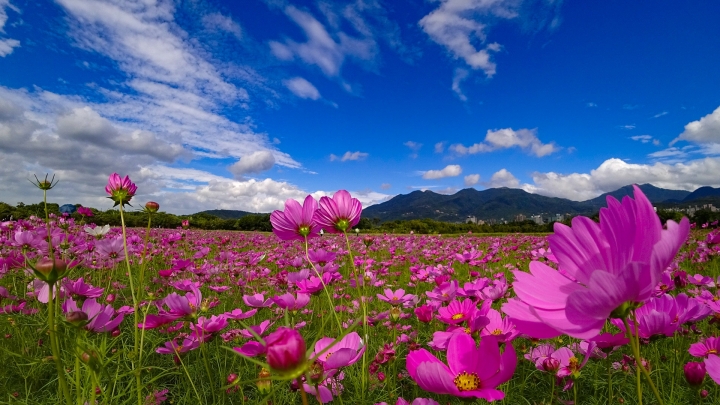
column 520, row 218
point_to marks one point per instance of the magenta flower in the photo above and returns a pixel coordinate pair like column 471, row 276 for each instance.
column 712, row 365
column 457, row 312
column 705, row 348
column 343, row 353
column 694, row 373
column 78, row 288
column 285, row 350
column 296, row 222
column 206, row 328
column 471, row 371
column 257, row 301
column 289, row 302
column 424, row 313
column 238, row 314
column 395, row 297
column 121, row 190
column 100, row 317
column 606, row 269
column 500, row 327
column 339, row 213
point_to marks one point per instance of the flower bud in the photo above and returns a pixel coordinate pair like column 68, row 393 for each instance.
column 152, row 206
column 110, row 298
column 694, row 373
column 424, row 313
column 704, row 394
column 49, row 270
column 551, row 364
column 285, row 351
column 232, row 378
column 264, row 383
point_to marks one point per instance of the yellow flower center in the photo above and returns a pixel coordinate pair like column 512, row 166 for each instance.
column 574, row 363
column 458, row 316
column 497, row 332
column 712, row 351
column 467, row 381
column 468, row 331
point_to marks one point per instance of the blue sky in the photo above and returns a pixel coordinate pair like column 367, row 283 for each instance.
column 241, row 105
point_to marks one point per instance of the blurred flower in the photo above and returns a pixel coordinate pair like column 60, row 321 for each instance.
column 606, row 270
column 285, row 351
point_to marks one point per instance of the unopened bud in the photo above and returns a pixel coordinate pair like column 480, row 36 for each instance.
column 152, row 206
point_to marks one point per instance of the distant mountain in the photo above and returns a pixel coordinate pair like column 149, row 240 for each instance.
column 654, row 194
column 227, row 214
column 491, row 203
column 702, row 192
column 497, row 203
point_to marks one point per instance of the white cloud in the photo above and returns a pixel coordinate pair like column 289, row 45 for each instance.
column 255, row 162
column 414, row 147
column 302, row 88
column 706, row 130
column 440, row 147
column 385, row 186
column 448, row 171
column 328, row 47
column 349, row 156
column 642, row 138
column 458, row 77
column 615, row 173
column 503, row 178
column 658, row 115
column 628, row 127
column 471, row 180
column 456, row 25
column 7, row 45
column 219, row 22
column 525, row 139
column 591, row 104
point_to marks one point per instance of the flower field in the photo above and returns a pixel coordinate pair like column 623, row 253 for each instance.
column 622, row 311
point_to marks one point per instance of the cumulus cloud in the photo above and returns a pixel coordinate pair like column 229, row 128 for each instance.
column 503, row 178
column 302, row 88
column 255, row 162
column 440, row 147
column 526, row 139
column 471, row 180
column 349, row 156
column 706, row 130
column 457, row 26
column 615, row 173
column 448, row 171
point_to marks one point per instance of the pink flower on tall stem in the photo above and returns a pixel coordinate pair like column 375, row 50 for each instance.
column 296, row 222
column 605, row 270
column 471, row 371
column 343, row 353
column 121, row 190
column 712, row 365
column 339, row 213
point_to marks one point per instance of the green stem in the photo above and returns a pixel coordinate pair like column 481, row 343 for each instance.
column 203, row 348
column 136, row 370
column 363, row 304
column 609, row 369
column 575, row 392
column 552, row 388
column 303, row 395
column 55, row 347
column 638, row 361
column 78, row 393
column 327, row 292
column 190, row 379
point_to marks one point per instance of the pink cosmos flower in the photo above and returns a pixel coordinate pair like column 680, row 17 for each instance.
column 712, row 366
column 471, row 371
column 500, row 327
column 257, row 301
column 285, row 350
column 457, row 312
column 604, row 270
column 705, row 348
column 296, row 222
column 424, row 313
column 343, row 353
column 289, row 302
column 397, row 297
column 206, row 328
column 78, row 288
column 99, row 316
column 121, row 190
column 238, row 314
column 339, row 213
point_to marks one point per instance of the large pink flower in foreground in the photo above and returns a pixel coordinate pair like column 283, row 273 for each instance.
column 471, row 371
column 296, row 222
column 339, row 213
column 605, row 270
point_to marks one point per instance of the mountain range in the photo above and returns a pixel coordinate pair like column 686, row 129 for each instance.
column 497, row 203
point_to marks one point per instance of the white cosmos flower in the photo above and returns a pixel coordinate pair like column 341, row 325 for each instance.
column 98, row 231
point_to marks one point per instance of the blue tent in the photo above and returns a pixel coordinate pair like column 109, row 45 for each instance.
column 67, row 209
